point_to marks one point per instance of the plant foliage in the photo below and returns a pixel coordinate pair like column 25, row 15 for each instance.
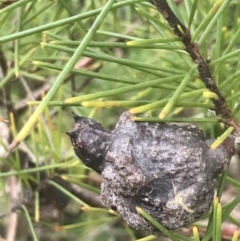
column 99, row 58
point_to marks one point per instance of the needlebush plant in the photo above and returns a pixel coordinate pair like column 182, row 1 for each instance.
column 162, row 60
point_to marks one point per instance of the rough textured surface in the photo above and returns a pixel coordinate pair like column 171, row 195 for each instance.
column 166, row 169
column 90, row 142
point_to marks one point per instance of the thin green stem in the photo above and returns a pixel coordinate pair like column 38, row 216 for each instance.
column 193, row 11
column 158, row 104
column 209, row 20
column 61, row 22
column 61, row 77
column 168, row 107
column 121, row 90
column 10, row 74
column 14, row 5
column 30, row 223
column 67, row 193
column 110, row 58
column 17, row 42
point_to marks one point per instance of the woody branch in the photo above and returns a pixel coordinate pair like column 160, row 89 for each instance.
column 220, row 107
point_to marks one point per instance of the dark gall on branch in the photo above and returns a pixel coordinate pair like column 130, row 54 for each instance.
column 165, row 169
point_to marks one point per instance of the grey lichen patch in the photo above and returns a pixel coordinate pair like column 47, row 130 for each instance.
column 165, row 169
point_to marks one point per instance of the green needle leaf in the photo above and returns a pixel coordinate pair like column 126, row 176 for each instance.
column 157, row 224
column 169, row 106
column 110, row 58
column 222, row 138
column 227, row 208
column 14, row 5
column 215, row 205
column 10, row 74
column 120, row 90
column 17, row 42
column 219, row 223
column 61, row 22
column 222, row 5
column 192, row 14
column 148, row 238
column 30, row 223
column 157, row 104
column 67, row 193
column 151, row 41
column 195, row 234
column 61, row 77
column 209, row 20
column 235, row 236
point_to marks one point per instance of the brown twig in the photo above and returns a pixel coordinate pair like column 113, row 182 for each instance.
column 36, row 94
column 11, row 228
column 87, row 196
column 228, row 230
column 3, row 62
column 220, row 107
